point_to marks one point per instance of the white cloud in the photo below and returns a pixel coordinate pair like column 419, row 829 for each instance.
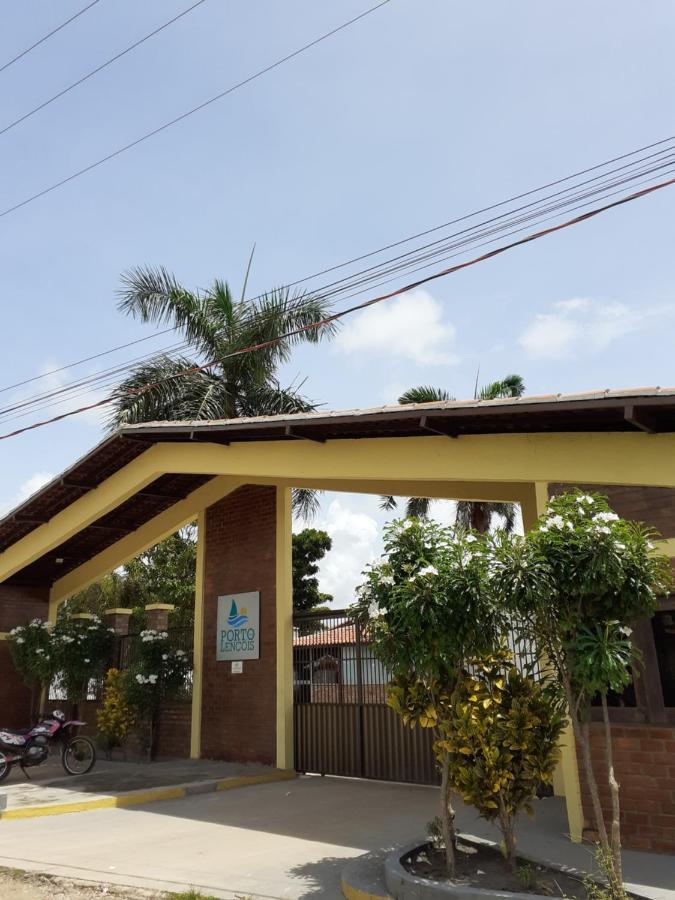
column 29, row 487
column 581, row 326
column 356, row 542
column 410, row 327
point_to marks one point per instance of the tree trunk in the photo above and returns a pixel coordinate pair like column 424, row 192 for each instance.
column 506, row 825
column 447, row 818
column 480, row 517
column 581, row 736
column 614, row 794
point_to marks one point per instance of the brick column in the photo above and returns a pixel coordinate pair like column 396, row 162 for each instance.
column 18, row 605
column 158, row 615
column 239, row 711
column 118, row 619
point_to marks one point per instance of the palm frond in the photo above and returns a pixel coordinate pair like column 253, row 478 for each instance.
column 388, row 503
column 160, row 391
column 424, row 394
column 270, row 399
column 510, row 386
column 152, row 294
column 418, row 507
column 306, row 503
column 478, row 515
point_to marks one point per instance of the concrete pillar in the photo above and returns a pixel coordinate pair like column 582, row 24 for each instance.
column 198, row 649
column 158, row 615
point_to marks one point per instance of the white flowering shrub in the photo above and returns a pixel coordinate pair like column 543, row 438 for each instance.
column 81, row 651
column 158, row 673
column 74, row 652
column 31, row 650
column 424, row 605
column 426, row 609
column 577, row 582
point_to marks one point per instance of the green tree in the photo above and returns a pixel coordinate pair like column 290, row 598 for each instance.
column 426, row 612
column 309, row 548
column 165, row 573
column 217, row 328
column 470, row 514
column 576, row 583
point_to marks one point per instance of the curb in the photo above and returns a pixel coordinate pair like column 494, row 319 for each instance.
column 362, row 879
column 151, row 795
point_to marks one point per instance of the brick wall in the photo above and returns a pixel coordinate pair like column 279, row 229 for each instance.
column 174, row 729
column 18, row 605
column 644, row 760
column 239, row 711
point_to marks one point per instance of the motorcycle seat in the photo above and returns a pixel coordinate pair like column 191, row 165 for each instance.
column 14, row 736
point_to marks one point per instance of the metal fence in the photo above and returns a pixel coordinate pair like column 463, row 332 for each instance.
column 343, row 725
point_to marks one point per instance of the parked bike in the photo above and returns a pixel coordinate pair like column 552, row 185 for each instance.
column 32, row 746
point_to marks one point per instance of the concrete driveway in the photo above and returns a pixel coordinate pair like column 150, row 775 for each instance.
column 280, row 840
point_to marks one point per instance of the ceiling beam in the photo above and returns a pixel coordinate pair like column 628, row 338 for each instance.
column 293, row 432
column 640, row 418
column 443, row 427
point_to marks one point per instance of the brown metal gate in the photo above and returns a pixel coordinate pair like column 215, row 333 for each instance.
column 342, row 723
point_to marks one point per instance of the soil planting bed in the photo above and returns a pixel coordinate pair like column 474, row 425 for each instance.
column 482, row 866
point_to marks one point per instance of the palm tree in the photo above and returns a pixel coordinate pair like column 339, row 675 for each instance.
column 216, row 328
column 470, row 514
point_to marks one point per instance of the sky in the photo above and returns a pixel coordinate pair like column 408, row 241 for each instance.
column 423, row 111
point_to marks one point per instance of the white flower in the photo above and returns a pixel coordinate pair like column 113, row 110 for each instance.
column 603, row 529
column 555, row 522
column 40, row 650
column 87, row 660
column 407, row 524
column 374, row 611
column 140, row 679
column 165, row 656
column 626, row 630
column 428, row 570
column 585, row 498
column 152, row 679
column 605, row 517
column 180, row 653
column 20, row 640
column 650, row 546
column 466, row 558
column 387, row 579
column 470, row 538
column 620, row 546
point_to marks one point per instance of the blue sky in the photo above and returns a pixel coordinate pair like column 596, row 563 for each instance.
column 421, row 112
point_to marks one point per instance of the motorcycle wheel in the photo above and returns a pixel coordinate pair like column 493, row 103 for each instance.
column 79, row 756
column 5, row 767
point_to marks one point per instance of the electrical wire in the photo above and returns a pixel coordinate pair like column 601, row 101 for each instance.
column 47, row 36
column 491, row 254
column 190, row 112
column 370, row 254
column 507, row 228
column 98, row 69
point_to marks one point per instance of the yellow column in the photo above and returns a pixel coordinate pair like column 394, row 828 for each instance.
column 284, row 619
column 198, row 650
column 566, row 777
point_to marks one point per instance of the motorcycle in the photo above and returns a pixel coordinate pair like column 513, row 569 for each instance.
column 32, row 746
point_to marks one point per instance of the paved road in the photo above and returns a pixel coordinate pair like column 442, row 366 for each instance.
column 284, row 840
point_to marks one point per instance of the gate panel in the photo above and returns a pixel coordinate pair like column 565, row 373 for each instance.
column 342, row 723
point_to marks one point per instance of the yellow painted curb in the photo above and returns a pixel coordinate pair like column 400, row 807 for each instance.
column 138, row 798
column 353, row 893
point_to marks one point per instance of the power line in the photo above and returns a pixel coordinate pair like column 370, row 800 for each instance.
column 376, row 269
column 372, row 253
column 191, row 112
column 490, row 254
column 477, row 236
column 100, row 68
column 47, row 36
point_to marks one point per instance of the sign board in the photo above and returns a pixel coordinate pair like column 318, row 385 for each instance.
column 238, row 626
column 237, row 666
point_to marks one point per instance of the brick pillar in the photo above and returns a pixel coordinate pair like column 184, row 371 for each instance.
column 118, row 619
column 18, row 605
column 158, row 615
column 239, row 710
